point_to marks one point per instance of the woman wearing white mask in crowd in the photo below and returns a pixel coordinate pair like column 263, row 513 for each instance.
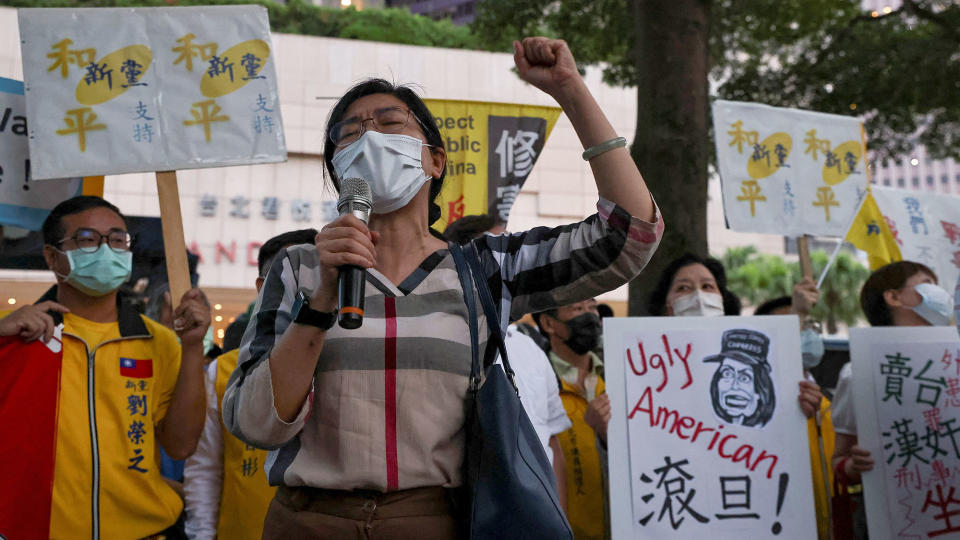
column 368, row 423
column 693, row 286
column 903, row 293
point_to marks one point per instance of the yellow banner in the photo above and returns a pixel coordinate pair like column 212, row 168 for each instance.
column 491, row 149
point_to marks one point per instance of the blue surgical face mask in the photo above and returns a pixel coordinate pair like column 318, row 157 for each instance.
column 100, row 272
column 935, row 307
column 811, row 348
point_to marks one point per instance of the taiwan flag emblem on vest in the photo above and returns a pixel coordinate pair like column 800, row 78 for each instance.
column 136, row 368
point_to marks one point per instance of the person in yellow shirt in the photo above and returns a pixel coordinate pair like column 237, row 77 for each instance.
column 574, row 332
column 226, row 489
column 819, row 426
column 127, row 387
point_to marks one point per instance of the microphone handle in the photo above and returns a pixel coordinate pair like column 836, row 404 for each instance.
column 350, row 289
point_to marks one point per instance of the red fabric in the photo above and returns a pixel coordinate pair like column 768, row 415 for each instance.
column 390, row 392
column 29, row 394
column 843, row 505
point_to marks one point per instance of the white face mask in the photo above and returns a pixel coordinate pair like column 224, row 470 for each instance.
column 698, row 304
column 390, row 163
column 935, row 307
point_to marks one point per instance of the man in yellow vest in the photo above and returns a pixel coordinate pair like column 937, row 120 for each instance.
column 574, row 332
column 226, row 489
column 126, row 387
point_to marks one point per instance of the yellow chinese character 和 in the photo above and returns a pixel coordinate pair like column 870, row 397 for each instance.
column 815, row 145
column 189, row 49
column 63, row 56
column 740, row 136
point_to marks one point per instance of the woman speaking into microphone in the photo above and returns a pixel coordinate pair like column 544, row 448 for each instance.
column 366, row 426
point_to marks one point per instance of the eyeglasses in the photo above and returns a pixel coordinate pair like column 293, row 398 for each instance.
column 386, row 120
column 89, row 240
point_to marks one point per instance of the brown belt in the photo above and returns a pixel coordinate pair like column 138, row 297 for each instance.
column 363, row 505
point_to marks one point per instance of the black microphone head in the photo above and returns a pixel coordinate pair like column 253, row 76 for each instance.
column 355, row 198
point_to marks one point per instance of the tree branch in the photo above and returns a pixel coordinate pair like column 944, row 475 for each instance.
column 915, row 8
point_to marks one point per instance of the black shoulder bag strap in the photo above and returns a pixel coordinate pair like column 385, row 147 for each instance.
column 489, row 309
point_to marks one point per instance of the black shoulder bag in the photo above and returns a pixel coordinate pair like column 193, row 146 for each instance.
column 509, row 487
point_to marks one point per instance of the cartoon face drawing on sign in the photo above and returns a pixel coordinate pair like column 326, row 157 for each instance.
column 742, row 389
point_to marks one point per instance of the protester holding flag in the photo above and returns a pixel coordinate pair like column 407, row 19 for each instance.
column 819, row 426
column 903, row 293
column 380, row 409
column 126, row 387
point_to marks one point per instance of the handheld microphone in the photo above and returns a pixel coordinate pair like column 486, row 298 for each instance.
column 354, row 199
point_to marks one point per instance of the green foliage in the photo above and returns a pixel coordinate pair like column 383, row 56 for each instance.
column 900, row 69
column 757, row 277
column 390, row 25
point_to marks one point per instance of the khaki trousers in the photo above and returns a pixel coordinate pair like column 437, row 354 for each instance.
column 299, row 513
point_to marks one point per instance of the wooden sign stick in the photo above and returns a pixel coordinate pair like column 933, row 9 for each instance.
column 806, row 264
column 174, row 246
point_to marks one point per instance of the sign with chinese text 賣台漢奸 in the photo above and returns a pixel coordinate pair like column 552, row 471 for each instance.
column 491, row 149
column 926, row 227
column 906, row 389
column 706, row 436
column 787, row 171
column 117, row 90
column 22, row 202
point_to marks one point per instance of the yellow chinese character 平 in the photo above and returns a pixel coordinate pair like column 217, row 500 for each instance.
column 750, row 190
column 740, row 136
column 826, row 198
column 815, row 145
column 84, row 120
column 189, row 49
column 206, row 112
column 63, row 56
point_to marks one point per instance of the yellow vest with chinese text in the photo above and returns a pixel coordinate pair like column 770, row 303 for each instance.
column 245, row 495
column 585, row 482
column 117, row 382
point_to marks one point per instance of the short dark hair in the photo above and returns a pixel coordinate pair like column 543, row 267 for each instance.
column 604, row 311
column 271, row 247
column 890, row 277
column 657, row 302
column 467, row 228
column 536, row 318
column 417, row 107
column 770, row 306
column 53, row 226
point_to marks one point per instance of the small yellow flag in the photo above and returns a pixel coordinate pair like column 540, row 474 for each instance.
column 870, row 232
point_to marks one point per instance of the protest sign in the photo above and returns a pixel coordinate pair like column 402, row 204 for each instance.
column 706, row 436
column 119, row 90
column 787, row 171
column 926, row 227
column 491, row 149
column 25, row 204
column 906, row 384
